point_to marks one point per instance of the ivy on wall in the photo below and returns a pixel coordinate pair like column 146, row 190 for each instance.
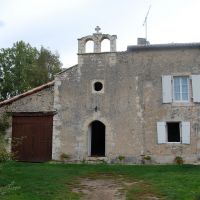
column 4, row 123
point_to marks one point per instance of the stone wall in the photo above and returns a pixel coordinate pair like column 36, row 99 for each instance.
column 130, row 105
column 41, row 101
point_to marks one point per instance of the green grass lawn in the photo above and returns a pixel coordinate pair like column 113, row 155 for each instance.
column 36, row 181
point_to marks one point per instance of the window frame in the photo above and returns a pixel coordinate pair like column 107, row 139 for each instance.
column 93, row 89
column 98, row 86
column 184, row 130
column 167, row 134
column 181, row 93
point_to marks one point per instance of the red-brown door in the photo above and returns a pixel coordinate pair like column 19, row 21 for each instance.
column 32, row 138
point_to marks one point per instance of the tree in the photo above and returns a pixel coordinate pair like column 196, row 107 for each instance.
column 49, row 62
column 23, row 67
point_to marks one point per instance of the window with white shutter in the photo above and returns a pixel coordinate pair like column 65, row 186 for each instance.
column 161, row 132
column 167, row 89
column 181, row 88
column 195, row 88
column 176, row 88
column 185, row 132
column 173, row 132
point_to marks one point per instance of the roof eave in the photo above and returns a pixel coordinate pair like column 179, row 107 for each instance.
column 29, row 92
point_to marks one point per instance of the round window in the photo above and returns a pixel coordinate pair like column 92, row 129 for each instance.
column 98, row 86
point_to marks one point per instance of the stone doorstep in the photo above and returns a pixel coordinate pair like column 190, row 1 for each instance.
column 196, row 163
column 92, row 159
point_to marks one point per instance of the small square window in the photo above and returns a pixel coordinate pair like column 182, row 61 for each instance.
column 181, row 88
column 173, row 132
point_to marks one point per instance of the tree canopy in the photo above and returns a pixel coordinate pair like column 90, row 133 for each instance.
column 23, row 67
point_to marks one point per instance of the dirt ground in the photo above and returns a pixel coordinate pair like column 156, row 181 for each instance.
column 101, row 189
column 105, row 187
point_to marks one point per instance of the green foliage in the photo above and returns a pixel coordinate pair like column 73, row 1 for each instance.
column 121, row 158
column 4, row 123
column 8, row 188
column 54, row 181
column 4, row 155
column 197, row 197
column 65, row 157
column 147, row 157
column 50, row 62
column 23, row 67
column 178, row 160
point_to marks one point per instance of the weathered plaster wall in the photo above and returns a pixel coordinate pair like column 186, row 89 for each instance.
column 129, row 107
column 173, row 62
column 41, row 101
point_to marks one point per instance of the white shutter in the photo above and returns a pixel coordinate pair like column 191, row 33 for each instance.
column 195, row 88
column 167, row 89
column 185, row 132
column 161, row 131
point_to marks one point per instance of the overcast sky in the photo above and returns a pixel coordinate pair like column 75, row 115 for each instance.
column 57, row 24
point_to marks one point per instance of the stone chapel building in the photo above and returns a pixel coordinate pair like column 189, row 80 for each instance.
column 142, row 101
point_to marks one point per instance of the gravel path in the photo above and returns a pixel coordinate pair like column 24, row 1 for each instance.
column 107, row 187
column 102, row 189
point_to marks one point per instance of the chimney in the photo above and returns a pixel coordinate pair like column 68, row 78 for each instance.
column 142, row 42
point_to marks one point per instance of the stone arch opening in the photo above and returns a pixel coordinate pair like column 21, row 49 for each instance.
column 105, row 45
column 97, row 132
column 97, row 38
column 89, row 46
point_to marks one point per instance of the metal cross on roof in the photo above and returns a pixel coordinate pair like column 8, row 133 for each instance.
column 97, row 29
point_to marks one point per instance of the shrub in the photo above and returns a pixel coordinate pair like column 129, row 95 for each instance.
column 65, row 157
column 197, row 197
column 121, row 158
column 178, row 160
column 4, row 123
column 147, row 158
column 5, row 156
column 8, row 188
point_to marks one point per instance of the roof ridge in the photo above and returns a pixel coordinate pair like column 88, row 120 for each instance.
column 66, row 69
column 165, row 45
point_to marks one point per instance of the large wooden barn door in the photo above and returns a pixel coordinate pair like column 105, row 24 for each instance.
column 32, row 138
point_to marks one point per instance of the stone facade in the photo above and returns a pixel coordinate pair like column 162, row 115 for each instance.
column 97, row 38
column 130, row 104
column 38, row 101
